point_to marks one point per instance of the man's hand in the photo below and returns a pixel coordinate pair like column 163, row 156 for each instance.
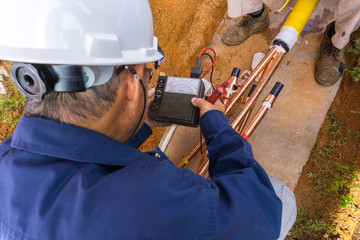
column 148, row 120
column 205, row 106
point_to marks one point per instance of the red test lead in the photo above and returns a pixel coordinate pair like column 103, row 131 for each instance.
column 222, row 91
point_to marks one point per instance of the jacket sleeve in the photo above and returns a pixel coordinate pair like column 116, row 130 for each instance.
column 247, row 203
column 140, row 137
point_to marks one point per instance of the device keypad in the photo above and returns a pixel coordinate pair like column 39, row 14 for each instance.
column 158, row 95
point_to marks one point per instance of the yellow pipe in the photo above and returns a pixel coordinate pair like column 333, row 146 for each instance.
column 300, row 15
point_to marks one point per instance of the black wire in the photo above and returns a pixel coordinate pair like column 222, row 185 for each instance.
column 133, row 71
column 144, row 108
column 211, row 74
column 212, row 69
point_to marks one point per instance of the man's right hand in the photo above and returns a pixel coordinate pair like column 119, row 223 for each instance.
column 205, row 106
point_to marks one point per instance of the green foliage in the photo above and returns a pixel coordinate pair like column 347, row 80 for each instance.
column 346, row 201
column 321, row 186
column 356, row 48
column 197, row 50
column 317, row 225
column 310, row 174
column 335, row 123
column 9, row 106
column 312, row 224
column 343, row 177
column 354, row 72
column 357, row 135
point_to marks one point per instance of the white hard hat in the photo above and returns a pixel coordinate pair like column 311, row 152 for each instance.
column 77, row 32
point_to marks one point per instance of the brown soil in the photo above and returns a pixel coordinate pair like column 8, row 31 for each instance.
column 183, row 28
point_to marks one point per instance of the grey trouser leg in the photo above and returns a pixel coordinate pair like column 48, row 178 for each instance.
column 289, row 210
column 237, row 8
column 347, row 21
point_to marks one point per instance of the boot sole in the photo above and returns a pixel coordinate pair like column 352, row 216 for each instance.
column 325, row 83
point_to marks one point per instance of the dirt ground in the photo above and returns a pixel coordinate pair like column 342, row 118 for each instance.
column 327, row 194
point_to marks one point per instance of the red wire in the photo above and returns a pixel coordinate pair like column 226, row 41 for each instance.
column 230, row 100
column 201, row 52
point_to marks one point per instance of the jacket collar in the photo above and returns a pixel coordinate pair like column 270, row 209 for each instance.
column 52, row 138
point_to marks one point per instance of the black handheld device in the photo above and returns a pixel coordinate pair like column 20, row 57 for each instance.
column 172, row 101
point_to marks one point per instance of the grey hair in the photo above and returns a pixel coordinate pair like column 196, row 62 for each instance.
column 63, row 106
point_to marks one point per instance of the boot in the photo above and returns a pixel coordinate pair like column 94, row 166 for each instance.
column 330, row 65
column 245, row 28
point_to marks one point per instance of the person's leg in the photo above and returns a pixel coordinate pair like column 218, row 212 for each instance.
column 237, row 8
column 289, row 211
column 254, row 22
column 347, row 21
column 330, row 65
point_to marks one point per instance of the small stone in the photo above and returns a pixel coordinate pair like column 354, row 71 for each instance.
column 3, row 72
column 2, row 89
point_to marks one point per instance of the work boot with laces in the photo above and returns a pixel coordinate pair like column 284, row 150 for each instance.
column 245, row 28
column 330, row 65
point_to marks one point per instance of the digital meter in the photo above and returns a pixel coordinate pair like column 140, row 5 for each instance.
column 172, row 101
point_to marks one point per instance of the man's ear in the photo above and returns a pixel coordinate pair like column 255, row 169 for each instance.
column 132, row 86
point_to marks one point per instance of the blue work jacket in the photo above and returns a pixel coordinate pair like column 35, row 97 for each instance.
column 60, row 181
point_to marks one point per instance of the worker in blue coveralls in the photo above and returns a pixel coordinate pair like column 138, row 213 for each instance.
column 71, row 170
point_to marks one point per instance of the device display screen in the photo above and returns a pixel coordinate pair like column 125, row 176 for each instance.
column 182, row 85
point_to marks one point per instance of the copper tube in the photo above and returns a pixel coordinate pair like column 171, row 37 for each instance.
column 268, row 72
column 273, row 52
column 232, row 85
column 260, row 87
column 191, row 154
column 204, row 168
column 242, row 126
column 202, row 160
column 259, row 115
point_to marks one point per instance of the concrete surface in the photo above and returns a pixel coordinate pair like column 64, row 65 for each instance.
column 283, row 141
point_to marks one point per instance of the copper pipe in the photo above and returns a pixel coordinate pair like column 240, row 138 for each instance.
column 268, row 72
column 242, row 126
column 191, row 154
column 232, row 86
column 204, row 168
column 273, row 52
column 202, row 160
column 257, row 91
column 270, row 99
